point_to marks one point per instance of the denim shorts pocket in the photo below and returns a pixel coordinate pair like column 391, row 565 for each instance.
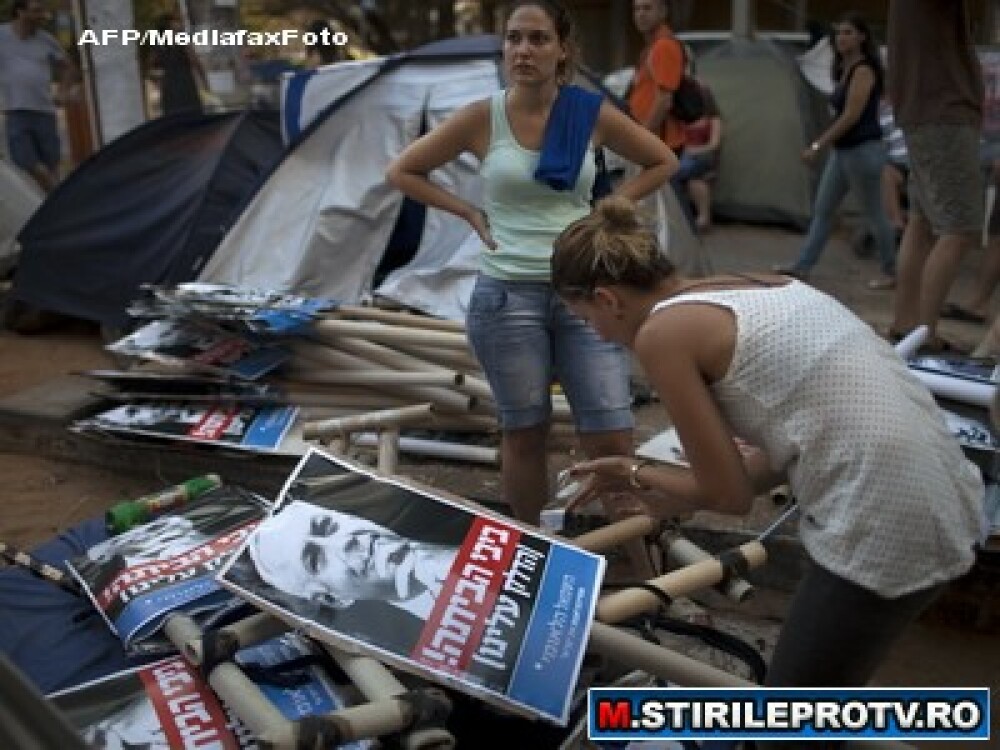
column 487, row 299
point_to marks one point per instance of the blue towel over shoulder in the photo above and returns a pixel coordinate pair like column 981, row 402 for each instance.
column 567, row 136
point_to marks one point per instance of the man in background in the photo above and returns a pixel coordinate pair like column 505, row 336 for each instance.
column 658, row 73
column 28, row 57
column 936, row 88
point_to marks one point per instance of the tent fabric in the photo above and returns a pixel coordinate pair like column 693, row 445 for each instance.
column 769, row 114
column 322, row 223
column 19, row 199
column 151, row 207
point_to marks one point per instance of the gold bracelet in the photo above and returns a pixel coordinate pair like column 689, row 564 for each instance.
column 633, row 473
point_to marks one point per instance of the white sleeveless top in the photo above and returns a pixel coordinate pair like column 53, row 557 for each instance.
column 888, row 499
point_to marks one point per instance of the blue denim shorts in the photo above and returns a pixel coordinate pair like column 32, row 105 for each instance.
column 32, row 139
column 525, row 339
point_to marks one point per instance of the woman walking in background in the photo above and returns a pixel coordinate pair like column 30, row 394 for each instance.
column 523, row 336
column 857, row 152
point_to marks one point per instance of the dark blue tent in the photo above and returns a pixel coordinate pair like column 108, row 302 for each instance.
column 151, row 207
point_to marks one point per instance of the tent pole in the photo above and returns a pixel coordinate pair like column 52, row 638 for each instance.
column 744, row 12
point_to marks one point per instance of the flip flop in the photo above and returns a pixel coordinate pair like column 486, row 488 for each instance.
column 957, row 312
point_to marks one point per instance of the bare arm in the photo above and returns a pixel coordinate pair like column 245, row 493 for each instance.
column 858, row 92
column 467, row 130
column 626, row 138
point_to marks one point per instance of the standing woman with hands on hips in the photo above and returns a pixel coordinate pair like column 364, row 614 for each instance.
column 521, row 333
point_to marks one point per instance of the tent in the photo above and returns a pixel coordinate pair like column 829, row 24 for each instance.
column 19, row 198
column 219, row 198
column 769, row 114
column 326, row 223
column 150, row 207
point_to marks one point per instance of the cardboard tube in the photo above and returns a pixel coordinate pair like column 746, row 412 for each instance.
column 263, row 718
column 247, row 632
column 436, row 448
column 383, row 377
column 373, row 420
column 400, row 318
column 331, row 330
column 452, row 358
column 653, row 658
column 957, row 389
column 445, row 398
column 370, row 676
column 376, row 682
column 388, row 450
column 630, row 602
column 404, row 360
column 682, row 552
column 610, row 536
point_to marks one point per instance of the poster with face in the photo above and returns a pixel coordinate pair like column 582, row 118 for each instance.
column 424, row 583
column 167, row 704
column 137, row 578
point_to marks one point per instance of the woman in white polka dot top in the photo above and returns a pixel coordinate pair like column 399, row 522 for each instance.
column 891, row 509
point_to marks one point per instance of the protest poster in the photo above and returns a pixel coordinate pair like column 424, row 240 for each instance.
column 137, row 578
column 424, row 583
column 167, row 704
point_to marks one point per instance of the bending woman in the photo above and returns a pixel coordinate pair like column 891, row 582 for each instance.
column 891, row 509
column 858, row 152
column 522, row 335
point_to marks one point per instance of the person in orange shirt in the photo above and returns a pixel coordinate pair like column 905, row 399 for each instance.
column 657, row 73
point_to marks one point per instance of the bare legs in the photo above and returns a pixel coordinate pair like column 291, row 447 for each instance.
column 701, row 197
column 925, row 274
column 524, row 469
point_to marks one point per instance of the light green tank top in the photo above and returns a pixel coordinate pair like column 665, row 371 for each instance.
column 525, row 215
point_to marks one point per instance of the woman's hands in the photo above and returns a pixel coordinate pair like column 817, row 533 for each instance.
column 607, row 480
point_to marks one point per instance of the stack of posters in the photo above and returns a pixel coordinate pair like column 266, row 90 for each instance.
column 137, row 578
column 425, row 584
column 167, row 704
column 233, row 425
column 184, row 346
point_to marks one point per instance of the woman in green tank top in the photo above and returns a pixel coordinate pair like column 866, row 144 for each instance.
column 522, row 334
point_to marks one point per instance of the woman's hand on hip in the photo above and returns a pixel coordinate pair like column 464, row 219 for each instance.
column 478, row 220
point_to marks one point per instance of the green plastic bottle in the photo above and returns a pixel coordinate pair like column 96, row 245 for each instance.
column 127, row 515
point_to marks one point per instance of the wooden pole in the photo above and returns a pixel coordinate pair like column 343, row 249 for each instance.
column 682, row 552
column 630, row 602
column 374, row 420
column 625, row 648
column 397, row 318
column 331, row 330
column 614, row 534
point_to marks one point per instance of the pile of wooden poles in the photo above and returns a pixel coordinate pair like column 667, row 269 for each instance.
column 382, row 370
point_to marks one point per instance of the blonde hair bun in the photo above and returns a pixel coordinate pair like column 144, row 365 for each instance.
column 619, row 213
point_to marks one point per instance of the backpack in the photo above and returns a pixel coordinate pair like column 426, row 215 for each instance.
column 689, row 100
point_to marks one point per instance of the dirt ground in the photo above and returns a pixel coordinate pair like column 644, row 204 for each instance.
column 40, row 496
